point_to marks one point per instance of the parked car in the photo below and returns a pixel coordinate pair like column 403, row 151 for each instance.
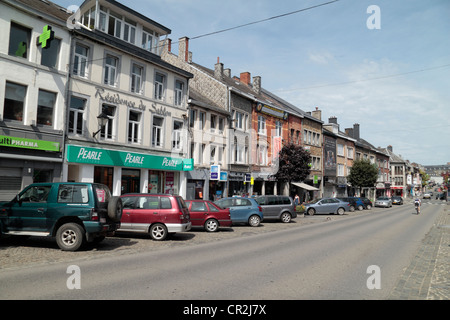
column 243, row 210
column 427, row 196
column 355, row 203
column 73, row 213
column 155, row 214
column 367, row 203
column 383, row 202
column 208, row 215
column 277, row 207
column 327, row 205
column 397, row 200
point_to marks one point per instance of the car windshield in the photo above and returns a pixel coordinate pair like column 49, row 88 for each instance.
column 315, row 201
column 383, row 198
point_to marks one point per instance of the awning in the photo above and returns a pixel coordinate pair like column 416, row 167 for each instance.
column 304, row 186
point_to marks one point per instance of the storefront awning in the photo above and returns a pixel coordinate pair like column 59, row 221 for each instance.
column 304, row 186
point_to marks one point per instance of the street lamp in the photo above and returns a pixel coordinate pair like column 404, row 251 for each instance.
column 102, row 120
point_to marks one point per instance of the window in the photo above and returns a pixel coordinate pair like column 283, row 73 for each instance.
column 136, row 78
column 73, row 194
column 341, row 171
column 80, row 60
column 150, row 40
column 349, row 153
column 157, row 131
column 46, row 105
column 13, row 108
column 192, row 118
column 213, row 123
column 262, row 155
column 129, row 31
column 160, row 80
column 134, row 124
column 239, row 120
column 212, row 157
column 340, row 149
column 176, row 135
column 76, row 115
column 261, row 125
column 278, row 129
column 114, row 24
column 221, row 125
column 107, row 131
column 19, row 40
column 49, row 55
column 179, row 93
column 240, row 154
column 202, row 120
column 89, row 18
column 111, row 66
column 36, row 194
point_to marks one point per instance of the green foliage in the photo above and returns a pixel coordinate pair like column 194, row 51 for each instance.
column 363, row 174
column 294, row 164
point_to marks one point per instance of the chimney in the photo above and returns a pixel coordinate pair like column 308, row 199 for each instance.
column 332, row 120
column 257, row 84
column 356, row 131
column 218, row 70
column 227, row 72
column 349, row 132
column 245, row 78
column 390, row 148
column 317, row 114
column 183, row 49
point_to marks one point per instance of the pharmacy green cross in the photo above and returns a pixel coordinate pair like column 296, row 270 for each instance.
column 46, row 37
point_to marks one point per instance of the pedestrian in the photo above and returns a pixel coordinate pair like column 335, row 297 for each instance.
column 296, row 200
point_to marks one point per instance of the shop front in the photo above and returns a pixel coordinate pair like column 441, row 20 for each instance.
column 23, row 161
column 127, row 172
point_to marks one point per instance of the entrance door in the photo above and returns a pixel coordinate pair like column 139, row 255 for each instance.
column 131, row 181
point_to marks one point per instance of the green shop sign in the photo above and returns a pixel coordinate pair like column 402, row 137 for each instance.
column 107, row 157
column 7, row 141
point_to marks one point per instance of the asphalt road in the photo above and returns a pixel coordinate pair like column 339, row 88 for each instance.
column 327, row 260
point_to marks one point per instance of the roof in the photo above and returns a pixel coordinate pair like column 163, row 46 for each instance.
column 45, row 7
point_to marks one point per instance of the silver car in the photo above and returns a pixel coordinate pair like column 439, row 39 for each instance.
column 383, row 202
column 277, row 207
column 327, row 205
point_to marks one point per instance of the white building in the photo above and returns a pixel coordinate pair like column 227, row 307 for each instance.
column 34, row 51
column 117, row 74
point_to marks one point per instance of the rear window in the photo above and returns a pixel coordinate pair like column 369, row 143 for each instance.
column 70, row 193
column 181, row 202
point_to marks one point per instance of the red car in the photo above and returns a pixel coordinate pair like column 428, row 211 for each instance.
column 156, row 214
column 206, row 214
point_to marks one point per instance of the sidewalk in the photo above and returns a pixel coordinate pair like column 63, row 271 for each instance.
column 428, row 275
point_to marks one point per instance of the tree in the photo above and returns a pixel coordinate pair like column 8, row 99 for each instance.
column 363, row 174
column 294, row 164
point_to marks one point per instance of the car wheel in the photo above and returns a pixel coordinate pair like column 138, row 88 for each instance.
column 368, row 207
column 360, row 208
column 211, row 225
column 311, row 211
column 340, row 211
column 70, row 237
column 254, row 220
column 115, row 207
column 286, row 217
column 158, row 232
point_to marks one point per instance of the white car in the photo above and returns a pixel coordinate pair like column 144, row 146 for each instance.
column 427, row 196
column 383, row 202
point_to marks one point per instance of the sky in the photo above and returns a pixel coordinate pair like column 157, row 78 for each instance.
column 385, row 67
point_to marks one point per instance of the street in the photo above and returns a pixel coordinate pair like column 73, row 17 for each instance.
column 332, row 259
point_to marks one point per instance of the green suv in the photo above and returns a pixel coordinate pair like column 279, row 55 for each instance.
column 72, row 212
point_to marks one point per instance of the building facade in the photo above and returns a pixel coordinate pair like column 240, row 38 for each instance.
column 127, row 108
column 34, row 51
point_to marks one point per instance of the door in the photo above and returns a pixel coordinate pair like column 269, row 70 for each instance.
column 241, row 210
column 198, row 211
column 29, row 213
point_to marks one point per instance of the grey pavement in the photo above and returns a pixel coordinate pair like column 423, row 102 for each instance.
column 428, row 275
